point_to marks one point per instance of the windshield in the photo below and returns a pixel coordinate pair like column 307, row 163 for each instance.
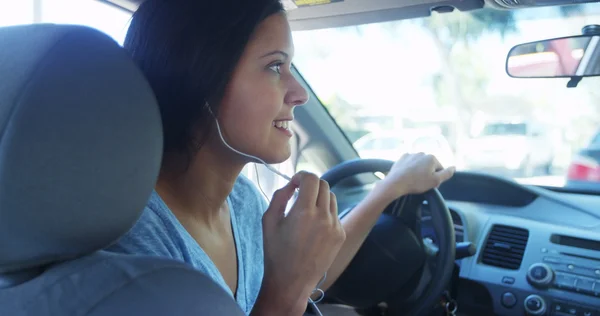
column 444, row 77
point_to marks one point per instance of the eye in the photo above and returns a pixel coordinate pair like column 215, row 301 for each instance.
column 276, row 67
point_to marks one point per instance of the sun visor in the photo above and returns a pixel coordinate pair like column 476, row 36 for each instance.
column 289, row 5
column 318, row 14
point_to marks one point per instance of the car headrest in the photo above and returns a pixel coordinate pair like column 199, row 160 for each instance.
column 80, row 144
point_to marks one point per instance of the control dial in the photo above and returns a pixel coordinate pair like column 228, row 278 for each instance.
column 540, row 275
column 535, row 305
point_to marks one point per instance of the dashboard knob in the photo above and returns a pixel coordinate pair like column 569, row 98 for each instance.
column 535, row 305
column 540, row 275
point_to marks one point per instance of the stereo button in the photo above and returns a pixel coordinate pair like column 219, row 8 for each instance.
column 508, row 280
column 535, row 305
column 585, row 286
column 565, row 281
column 588, row 312
column 560, row 307
column 509, row 300
column 540, row 275
column 551, row 260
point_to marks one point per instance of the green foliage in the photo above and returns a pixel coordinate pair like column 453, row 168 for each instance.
column 571, row 10
column 459, row 27
column 463, row 77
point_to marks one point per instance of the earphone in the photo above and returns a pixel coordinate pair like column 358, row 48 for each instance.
column 275, row 171
column 241, row 153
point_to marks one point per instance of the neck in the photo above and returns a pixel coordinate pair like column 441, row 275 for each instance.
column 200, row 192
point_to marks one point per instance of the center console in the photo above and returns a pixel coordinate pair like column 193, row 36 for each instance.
column 561, row 272
column 531, row 270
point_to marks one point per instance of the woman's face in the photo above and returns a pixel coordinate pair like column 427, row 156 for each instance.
column 259, row 101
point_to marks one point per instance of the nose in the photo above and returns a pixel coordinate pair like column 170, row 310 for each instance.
column 296, row 94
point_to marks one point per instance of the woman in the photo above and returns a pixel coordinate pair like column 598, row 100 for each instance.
column 228, row 62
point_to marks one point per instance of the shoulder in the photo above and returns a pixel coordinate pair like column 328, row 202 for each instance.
column 155, row 233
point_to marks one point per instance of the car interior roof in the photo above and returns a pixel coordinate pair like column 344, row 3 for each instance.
column 354, row 12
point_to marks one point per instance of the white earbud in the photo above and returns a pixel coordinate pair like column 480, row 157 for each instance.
column 241, row 153
column 317, row 288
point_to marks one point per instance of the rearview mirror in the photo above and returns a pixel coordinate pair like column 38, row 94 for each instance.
column 566, row 57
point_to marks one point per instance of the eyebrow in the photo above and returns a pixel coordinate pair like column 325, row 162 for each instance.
column 276, row 52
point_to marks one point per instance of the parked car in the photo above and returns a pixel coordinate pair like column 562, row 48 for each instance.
column 584, row 170
column 392, row 145
column 519, row 148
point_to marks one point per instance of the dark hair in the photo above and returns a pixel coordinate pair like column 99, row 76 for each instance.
column 188, row 50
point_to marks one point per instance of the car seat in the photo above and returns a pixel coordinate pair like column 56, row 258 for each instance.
column 80, row 151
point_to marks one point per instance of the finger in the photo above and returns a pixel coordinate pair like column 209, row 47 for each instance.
column 333, row 207
column 280, row 199
column 445, row 174
column 437, row 166
column 308, row 189
column 323, row 197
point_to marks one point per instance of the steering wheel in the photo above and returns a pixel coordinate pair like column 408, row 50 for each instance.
column 394, row 261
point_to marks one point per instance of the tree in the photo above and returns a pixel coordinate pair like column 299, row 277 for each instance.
column 462, row 77
column 459, row 82
column 571, row 10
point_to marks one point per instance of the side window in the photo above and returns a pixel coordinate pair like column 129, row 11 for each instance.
column 16, row 12
column 104, row 17
column 370, row 145
column 268, row 182
column 596, row 140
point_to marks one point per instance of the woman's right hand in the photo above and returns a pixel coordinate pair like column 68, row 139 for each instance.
column 300, row 247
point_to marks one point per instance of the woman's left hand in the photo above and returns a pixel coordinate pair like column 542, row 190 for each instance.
column 413, row 174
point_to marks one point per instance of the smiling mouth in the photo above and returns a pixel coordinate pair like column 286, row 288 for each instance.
column 283, row 126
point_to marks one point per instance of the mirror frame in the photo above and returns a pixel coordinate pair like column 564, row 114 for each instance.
column 544, row 40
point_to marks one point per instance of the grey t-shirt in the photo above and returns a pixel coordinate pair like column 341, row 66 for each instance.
column 159, row 233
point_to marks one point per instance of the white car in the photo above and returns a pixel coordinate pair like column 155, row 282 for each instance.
column 391, row 146
column 517, row 147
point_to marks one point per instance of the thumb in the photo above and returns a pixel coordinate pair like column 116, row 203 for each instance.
column 279, row 201
column 445, row 174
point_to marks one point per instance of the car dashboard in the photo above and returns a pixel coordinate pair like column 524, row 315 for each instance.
column 538, row 251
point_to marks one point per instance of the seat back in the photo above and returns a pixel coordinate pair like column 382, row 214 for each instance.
column 80, row 151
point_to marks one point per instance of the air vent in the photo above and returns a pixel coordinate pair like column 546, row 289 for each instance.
column 459, row 228
column 505, row 247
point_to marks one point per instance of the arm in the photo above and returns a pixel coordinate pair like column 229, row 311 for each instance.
column 412, row 174
column 357, row 226
column 298, row 247
column 273, row 302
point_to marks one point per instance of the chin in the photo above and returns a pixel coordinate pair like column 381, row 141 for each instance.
column 277, row 156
